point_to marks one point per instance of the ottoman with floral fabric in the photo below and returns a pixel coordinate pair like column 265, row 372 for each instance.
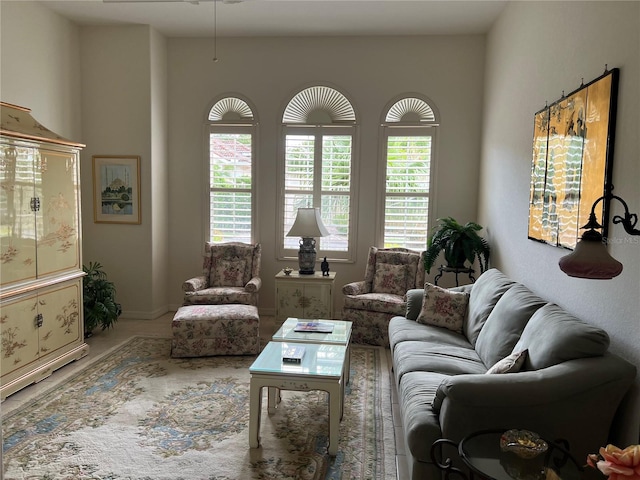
column 207, row 330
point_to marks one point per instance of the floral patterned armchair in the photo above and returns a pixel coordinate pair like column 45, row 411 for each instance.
column 372, row 302
column 230, row 275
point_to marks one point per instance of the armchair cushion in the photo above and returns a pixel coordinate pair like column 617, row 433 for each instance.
column 390, row 278
column 228, row 273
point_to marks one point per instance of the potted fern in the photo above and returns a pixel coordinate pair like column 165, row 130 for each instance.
column 460, row 243
column 99, row 299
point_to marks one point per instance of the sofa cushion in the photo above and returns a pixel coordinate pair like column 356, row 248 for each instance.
column 403, row 330
column 436, row 356
column 509, row 364
column 505, row 323
column 486, row 292
column 421, row 425
column 443, row 308
column 553, row 336
column 390, row 278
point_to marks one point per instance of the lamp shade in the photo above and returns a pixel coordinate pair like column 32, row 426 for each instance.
column 590, row 259
column 308, row 224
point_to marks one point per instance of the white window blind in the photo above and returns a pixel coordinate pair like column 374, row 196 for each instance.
column 317, row 173
column 407, row 186
column 230, row 182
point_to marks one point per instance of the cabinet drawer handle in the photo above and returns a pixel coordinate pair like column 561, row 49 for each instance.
column 39, row 320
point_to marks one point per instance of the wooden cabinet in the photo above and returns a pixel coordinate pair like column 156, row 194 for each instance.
column 304, row 296
column 41, row 324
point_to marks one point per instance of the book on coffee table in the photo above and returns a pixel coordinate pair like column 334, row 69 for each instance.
column 293, row 354
column 320, row 327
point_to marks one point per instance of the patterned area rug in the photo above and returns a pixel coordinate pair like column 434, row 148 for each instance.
column 137, row 414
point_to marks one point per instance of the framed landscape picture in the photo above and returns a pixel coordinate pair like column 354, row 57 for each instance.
column 572, row 158
column 116, row 189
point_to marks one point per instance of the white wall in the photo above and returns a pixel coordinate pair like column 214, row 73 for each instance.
column 40, row 54
column 268, row 71
column 123, row 105
column 536, row 51
column 159, row 183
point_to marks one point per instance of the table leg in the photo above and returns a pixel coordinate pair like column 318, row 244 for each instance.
column 347, row 363
column 335, row 414
column 255, row 409
column 273, row 399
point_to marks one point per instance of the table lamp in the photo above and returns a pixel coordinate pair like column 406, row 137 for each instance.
column 307, row 225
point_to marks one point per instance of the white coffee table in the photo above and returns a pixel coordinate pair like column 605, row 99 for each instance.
column 341, row 335
column 322, row 368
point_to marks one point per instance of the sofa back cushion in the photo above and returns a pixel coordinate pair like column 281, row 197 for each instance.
column 505, row 323
column 485, row 293
column 553, row 336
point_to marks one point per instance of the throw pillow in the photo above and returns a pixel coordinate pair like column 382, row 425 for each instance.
column 390, row 278
column 511, row 364
column 228, row 273
column 443, row 308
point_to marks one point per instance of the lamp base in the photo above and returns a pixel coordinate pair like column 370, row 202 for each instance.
column 307, row 256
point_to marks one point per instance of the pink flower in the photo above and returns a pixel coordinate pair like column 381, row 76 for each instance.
column 618, row 464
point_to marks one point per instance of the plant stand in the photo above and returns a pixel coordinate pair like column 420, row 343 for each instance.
column 442, row 269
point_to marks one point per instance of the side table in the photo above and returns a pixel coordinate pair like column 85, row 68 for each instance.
column 480, row 452
column 304, row 296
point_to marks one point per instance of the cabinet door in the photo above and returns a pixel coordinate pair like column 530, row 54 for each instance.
column 61, row 322
column 17, row 219
column 290, row 300
column 317, row 301
column 57, row 220
column 19, row 334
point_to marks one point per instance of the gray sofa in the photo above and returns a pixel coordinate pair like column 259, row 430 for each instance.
column 569, row 386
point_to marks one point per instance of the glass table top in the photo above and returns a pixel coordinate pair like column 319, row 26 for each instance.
column 319, row 360
column 481, row 451
column 340, row 334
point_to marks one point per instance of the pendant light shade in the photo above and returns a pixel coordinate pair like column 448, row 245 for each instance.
column 590, row 258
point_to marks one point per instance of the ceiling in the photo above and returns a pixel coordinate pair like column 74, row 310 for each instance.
column 182, row 18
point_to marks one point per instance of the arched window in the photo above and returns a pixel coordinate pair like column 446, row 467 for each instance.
column 231, row 166
column 317, row 168
column 408, row 131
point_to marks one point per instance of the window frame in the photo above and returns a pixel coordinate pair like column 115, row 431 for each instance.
column 239, row 125
column 318, row 131
column 416, row 125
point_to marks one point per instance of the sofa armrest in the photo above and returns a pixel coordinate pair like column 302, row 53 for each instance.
column 253, row 285
column 355, row 288
column 194, row 284
column 576, row 400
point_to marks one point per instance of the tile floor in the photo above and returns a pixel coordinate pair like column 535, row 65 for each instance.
column 101, row 342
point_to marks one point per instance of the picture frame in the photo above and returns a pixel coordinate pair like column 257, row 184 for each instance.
column 573, row 142
column 116, row 189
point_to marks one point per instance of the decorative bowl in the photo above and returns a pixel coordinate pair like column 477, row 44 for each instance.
column 288, row 270
column 523, row 443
